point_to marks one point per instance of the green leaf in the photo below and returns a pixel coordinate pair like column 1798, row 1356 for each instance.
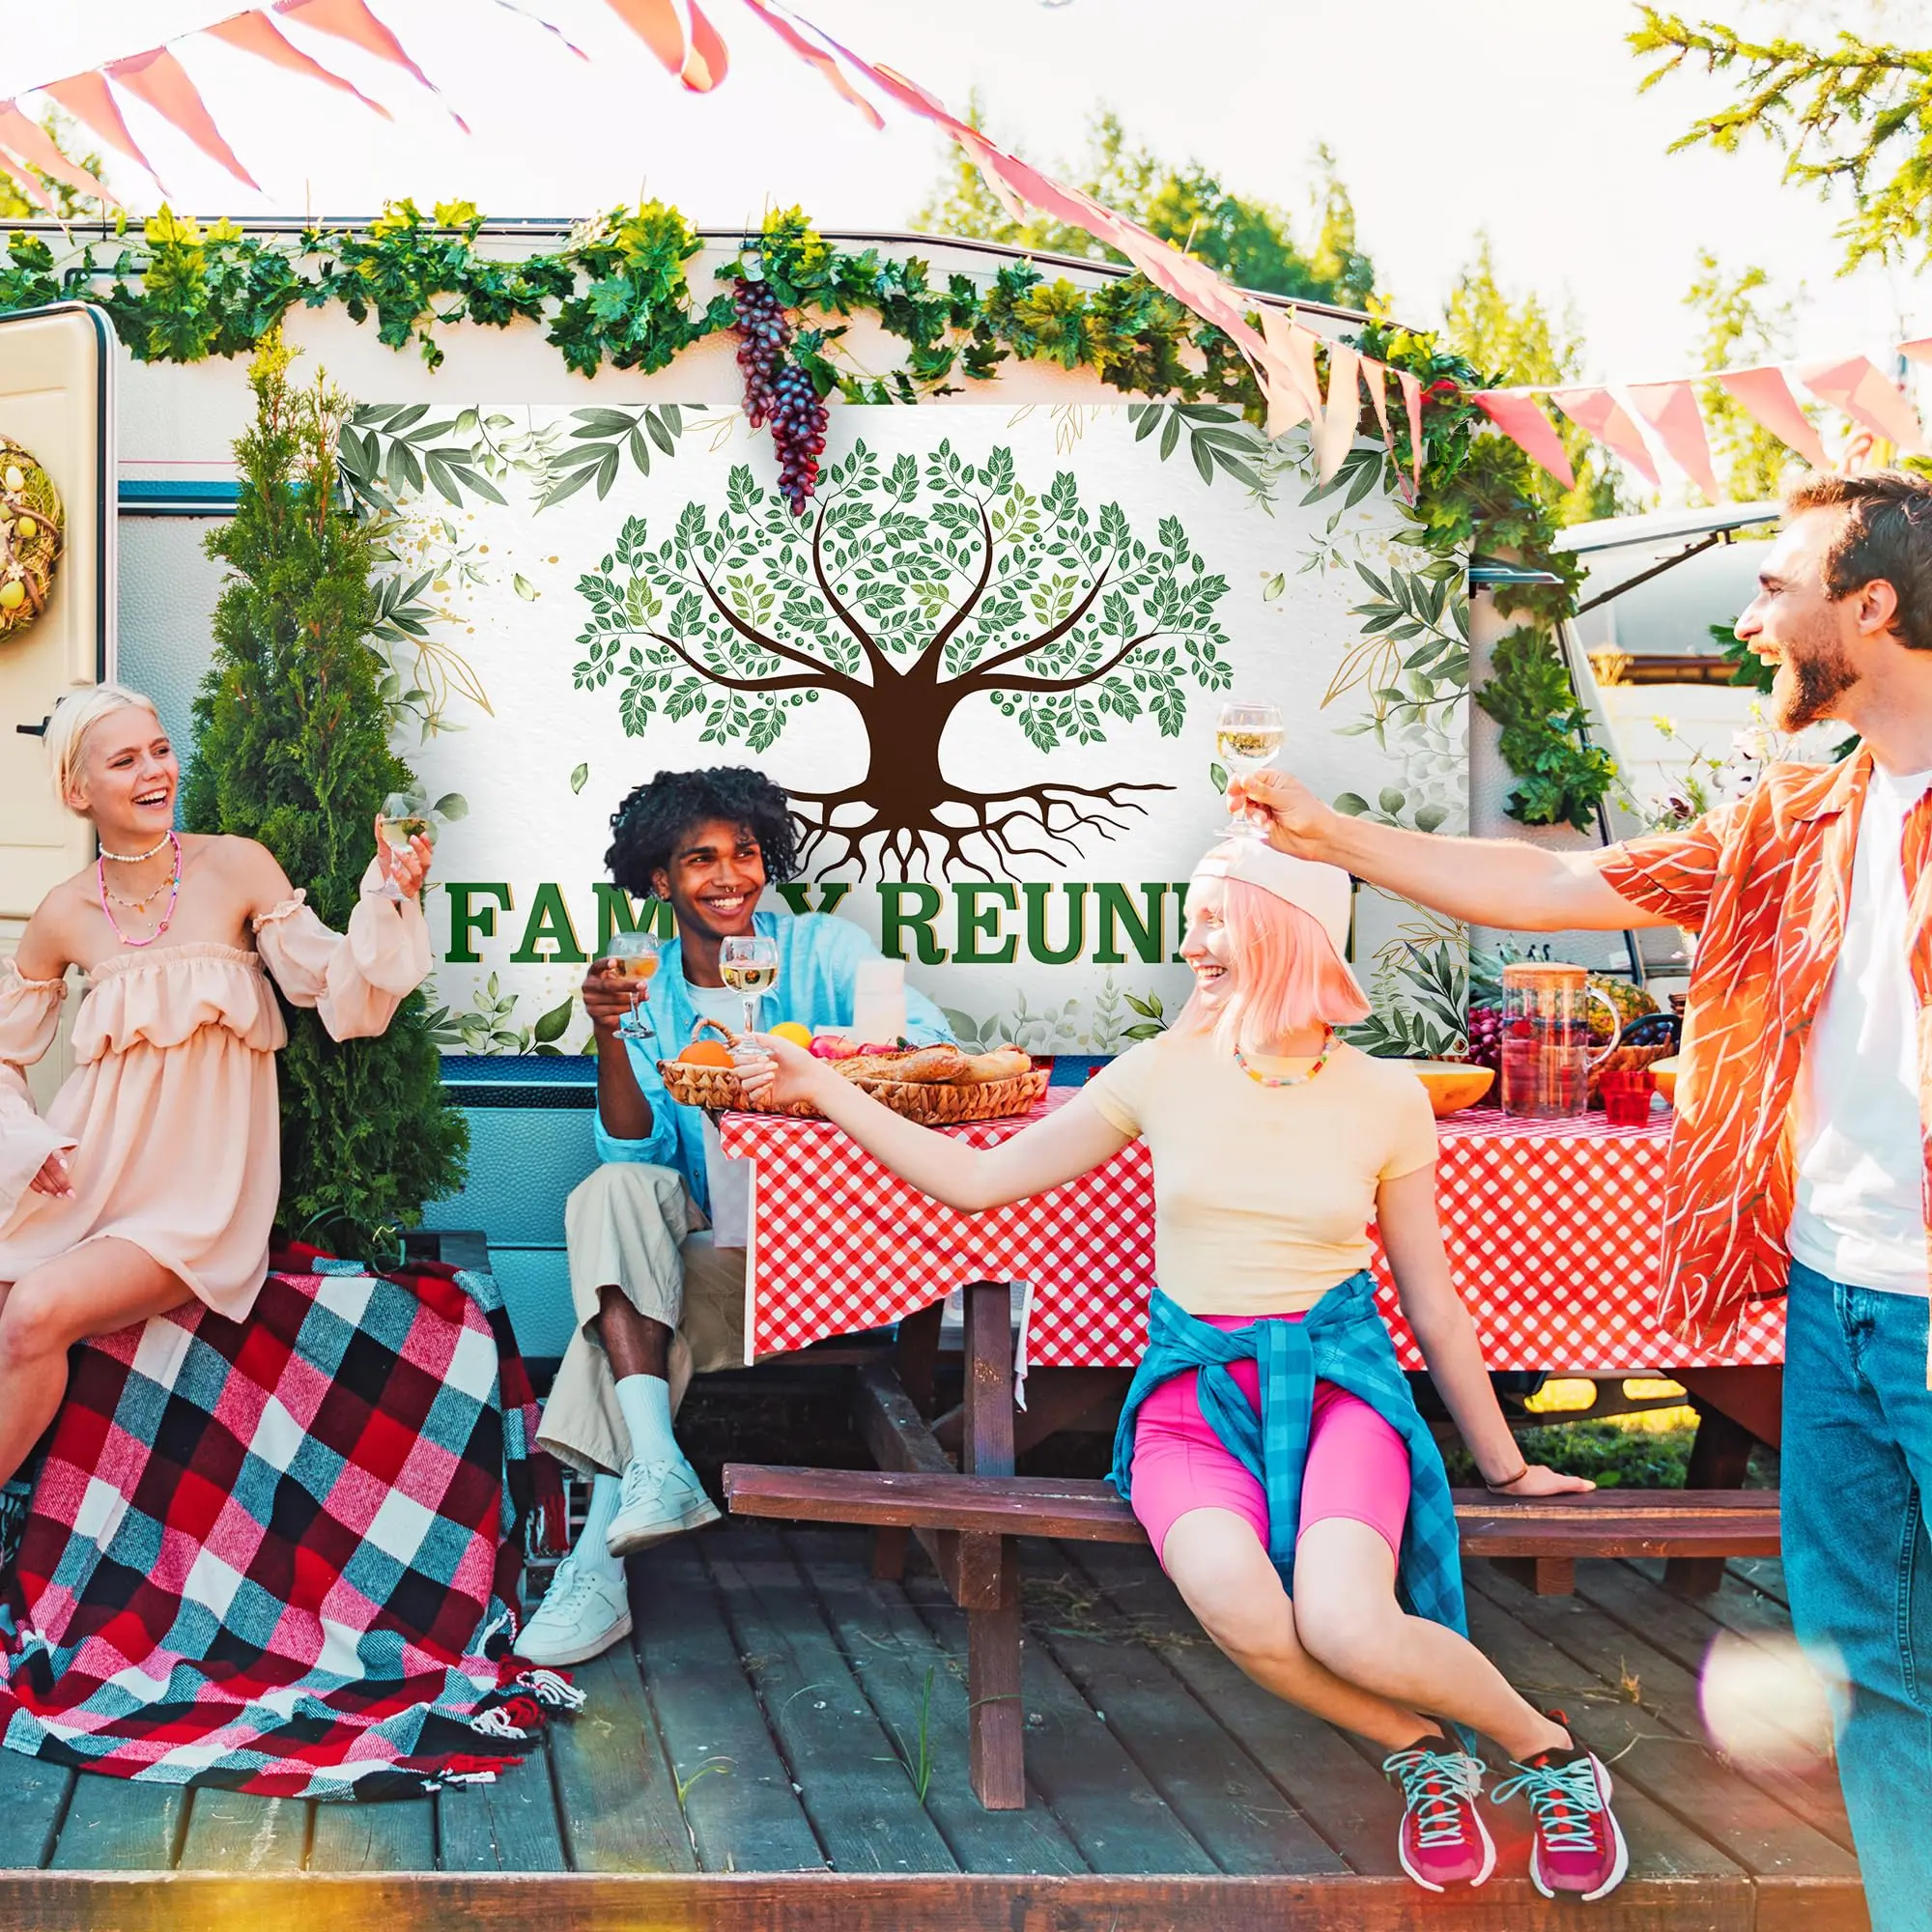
column 551, row 1026
column 525, row 589
column 452, row 806
column 578, row 778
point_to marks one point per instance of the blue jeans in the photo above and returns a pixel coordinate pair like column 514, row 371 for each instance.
column 1856, row 1470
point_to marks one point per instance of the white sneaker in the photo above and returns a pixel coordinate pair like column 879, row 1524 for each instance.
column 661, row 1499
column 582, row 1614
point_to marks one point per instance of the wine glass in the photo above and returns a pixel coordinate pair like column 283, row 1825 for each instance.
column 1247, row 736
column 406, row 815
column 634, row 956
column 750, row 966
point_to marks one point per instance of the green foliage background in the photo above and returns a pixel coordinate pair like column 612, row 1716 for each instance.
column 292, row 749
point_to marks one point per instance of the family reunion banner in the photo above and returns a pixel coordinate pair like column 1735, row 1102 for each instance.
column 986, row 663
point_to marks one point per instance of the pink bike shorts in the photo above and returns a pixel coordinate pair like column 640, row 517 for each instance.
column 1357, row 1464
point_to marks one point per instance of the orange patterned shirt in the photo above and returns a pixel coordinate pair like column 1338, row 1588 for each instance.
column 1763, row 883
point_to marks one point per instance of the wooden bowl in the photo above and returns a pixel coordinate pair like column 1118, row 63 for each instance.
column 1452, row 1084
column 1665, row 1072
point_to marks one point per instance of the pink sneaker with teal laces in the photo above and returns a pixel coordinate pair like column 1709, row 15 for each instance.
column 1579, row 1850
column 1443, row 1839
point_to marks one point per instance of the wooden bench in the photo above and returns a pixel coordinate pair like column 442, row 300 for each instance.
column 1550, row 1532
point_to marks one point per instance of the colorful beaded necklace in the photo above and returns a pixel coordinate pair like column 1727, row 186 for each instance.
column 140, row 905
column 1289, row 1079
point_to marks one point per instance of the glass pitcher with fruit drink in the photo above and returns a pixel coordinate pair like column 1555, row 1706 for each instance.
column 1547, row 1051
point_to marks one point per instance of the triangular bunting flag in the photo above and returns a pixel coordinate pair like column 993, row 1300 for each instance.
column 829, row 70
column 254, row 33
column 1411, row 403
column 705, row 60
column 1857, row 386
column 1342, row 412
column 351, row 20
column 1376, row 375
column 1528, row 428
column 162, row 82
column 1671, row 409
column 1599, row 413
column 1287, row 404
column 1765, row 396
column 28, row 139
column 91, row 102
column 656, row 23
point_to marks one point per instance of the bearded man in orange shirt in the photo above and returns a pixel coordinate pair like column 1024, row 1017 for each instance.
column 1799, row 1160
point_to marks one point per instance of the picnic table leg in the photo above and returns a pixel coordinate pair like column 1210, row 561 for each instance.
column 996, row 1723
column 916, row 1356
column 1736, row 1409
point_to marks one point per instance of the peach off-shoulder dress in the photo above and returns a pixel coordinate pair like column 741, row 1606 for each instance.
column 170, row 1119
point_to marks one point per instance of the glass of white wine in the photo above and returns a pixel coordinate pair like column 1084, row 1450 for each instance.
column 633, row 957
column 750, row 966
column 406, row 815
column 1247, row 737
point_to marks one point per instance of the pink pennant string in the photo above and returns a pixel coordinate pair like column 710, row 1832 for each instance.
column 254, row 33
column 827, row 68
column 1376, row 375
column 1599, row 413
column 1857, row 385
column 29, row 141
column 16, row 170
column 163, row 83
column 1412, row 402
column 1765, row 396
column 550, row 27
column 656, row 23
column 1342, row 412
column 1529, row 429
column 91, row 102
column 352, row 20
column 705, row 59
column 1288, row 405
column 1671, row 409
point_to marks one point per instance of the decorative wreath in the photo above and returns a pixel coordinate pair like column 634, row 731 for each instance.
column 31, row 528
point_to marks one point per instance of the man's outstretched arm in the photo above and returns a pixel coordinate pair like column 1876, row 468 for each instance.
column 1483, row 881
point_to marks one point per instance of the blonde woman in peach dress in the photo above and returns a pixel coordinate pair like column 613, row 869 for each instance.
column 153, row 1178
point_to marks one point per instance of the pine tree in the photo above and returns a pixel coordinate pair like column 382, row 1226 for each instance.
column 292, row 747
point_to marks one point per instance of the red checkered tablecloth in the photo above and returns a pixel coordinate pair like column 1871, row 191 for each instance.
column 1551, row 1227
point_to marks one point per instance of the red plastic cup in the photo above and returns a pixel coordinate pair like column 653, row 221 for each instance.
column 1626, row 1093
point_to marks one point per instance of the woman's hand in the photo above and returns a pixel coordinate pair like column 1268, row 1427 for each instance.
column 53, row 1178
column 1536, row 1481
column 407, row 866
column 776, row 1073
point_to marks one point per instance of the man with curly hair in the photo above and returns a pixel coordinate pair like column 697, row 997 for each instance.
column 656, row 1298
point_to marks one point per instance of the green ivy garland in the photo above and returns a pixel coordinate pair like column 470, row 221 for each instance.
column 617, row 292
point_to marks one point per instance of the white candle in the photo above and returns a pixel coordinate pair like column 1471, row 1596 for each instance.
column 878, row 1001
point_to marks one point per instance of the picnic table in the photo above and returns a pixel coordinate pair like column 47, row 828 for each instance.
column 1551, row 1230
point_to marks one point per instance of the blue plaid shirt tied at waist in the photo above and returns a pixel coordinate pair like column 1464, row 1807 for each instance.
column 1341, row 1340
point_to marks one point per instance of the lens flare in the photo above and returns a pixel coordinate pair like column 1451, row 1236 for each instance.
column 1768, row 1701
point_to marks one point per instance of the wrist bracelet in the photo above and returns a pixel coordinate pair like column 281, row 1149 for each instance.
column 1495, row 1489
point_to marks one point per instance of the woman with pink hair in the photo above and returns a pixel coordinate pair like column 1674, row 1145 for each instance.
column 1269, row 1443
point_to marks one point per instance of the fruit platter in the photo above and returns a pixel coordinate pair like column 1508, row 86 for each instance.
column 939, row 1085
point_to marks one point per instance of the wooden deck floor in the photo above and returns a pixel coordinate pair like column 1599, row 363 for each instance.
column 785, row 1745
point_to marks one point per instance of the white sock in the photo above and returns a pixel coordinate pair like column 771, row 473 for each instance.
column 645, row 1401
column 606, row 1492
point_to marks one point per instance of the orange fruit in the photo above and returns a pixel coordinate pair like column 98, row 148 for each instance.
column 707, row 1053
column 791, row 1030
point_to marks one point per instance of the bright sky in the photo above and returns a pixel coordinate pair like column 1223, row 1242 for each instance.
column 1520, row 116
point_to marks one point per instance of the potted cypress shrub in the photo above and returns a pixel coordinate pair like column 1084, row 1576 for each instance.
column 291, row 747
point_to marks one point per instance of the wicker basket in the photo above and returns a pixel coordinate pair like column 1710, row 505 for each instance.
column 718, row 1089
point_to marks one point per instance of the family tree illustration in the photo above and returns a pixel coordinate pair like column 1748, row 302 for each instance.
column 907, row 591
column 983, row 662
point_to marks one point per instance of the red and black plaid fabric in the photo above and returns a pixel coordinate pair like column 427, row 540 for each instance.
column 281, row 1555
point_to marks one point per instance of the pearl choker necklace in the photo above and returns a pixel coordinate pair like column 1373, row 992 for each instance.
column 136, row 858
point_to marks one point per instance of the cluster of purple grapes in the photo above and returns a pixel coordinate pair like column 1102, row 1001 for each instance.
column 1486, row 1039
column 779, row 392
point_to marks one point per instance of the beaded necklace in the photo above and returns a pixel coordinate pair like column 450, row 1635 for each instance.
column 1289, row 1079
column 140, row 905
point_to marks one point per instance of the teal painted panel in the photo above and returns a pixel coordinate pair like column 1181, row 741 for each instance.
column 536, row 1291
column 524, row 1161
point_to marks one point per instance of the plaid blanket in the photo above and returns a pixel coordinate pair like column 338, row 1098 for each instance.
column 281, row 1555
